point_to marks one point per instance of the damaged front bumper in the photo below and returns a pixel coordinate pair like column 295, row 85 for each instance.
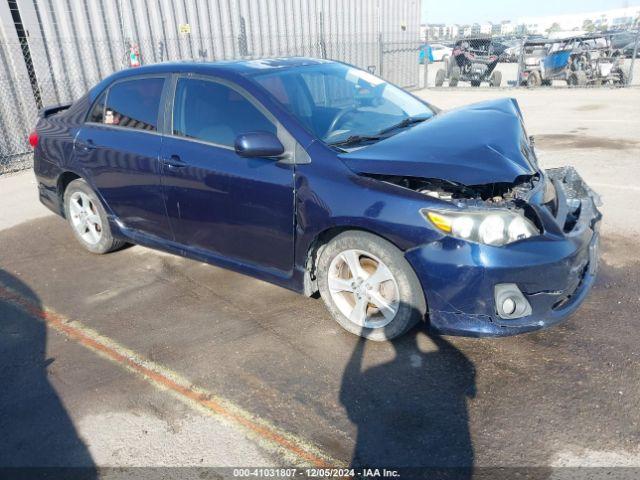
column 554, row 271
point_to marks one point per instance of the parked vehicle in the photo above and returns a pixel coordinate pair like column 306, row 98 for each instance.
column 473, row 60
column 621, row 38
column 320, row 177
column 583, row 60
column 532, row 66
column 437, row 53
column 511, row 53
column 628, row 50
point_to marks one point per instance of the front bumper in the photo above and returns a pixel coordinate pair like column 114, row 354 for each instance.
column 554, row 271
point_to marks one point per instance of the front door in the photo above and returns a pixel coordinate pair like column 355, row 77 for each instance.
column 238, row 208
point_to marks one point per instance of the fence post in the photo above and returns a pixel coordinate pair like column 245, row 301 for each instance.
column 426, row 57
column 243, row 44
column 380, row 53
column 321, row 41
column 633, row 59
column 520, row 61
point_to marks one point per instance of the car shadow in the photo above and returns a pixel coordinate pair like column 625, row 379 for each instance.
column 37, row 431
column 411, row 411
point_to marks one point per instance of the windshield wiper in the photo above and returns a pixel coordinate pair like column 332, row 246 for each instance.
column 403, row 124
column 355, row 140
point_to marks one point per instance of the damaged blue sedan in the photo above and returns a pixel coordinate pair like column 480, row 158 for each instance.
column 322, row 178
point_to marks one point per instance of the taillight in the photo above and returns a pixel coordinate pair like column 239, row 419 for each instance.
column 33, row 139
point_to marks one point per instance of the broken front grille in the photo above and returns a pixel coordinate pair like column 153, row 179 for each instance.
column 570, row 193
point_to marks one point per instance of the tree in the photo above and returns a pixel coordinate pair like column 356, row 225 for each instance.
column 555, row 27
column 588, row 26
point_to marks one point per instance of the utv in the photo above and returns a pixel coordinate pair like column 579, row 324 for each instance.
column 473, row 60
column 580, row 61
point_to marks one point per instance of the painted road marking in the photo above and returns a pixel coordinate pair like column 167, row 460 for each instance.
column 294, row 449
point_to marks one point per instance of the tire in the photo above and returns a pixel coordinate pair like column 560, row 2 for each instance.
column 439, row 78
column 534, row 80
column 496, row 78
column 85, row 213
column 445, row 62
column 475, row 83
column 342, row 294
column 577, row 79
column 454, row 76
column 546, row 83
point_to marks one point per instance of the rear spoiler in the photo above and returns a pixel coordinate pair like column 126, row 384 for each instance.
column 52, row 110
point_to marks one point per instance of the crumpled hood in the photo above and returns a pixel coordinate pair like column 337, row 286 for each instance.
column 473, row 145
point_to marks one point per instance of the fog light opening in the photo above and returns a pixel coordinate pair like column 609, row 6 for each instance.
column 510, row 302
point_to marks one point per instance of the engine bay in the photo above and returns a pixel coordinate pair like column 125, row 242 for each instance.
column 502, row 195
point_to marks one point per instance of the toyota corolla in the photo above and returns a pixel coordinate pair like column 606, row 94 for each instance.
column 322, row 178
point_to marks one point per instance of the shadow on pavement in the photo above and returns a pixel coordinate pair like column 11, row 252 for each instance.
column 411, row 411
column 36, row 429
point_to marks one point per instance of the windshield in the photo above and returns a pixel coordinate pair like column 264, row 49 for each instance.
column 336, row 102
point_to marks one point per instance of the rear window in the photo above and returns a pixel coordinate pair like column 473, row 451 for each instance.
column 130, row 104
column 97, row 112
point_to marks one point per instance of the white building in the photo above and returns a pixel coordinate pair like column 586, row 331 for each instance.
column 613, row 18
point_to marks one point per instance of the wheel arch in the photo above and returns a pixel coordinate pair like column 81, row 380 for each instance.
column 314, row 249
column 64, row 179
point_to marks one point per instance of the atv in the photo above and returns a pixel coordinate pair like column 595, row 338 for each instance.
column 580, row 61
column 473, row 60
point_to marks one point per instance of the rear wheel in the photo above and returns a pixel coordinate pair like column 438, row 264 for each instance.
column 369, row 287
column 454, row 77
column 439, row 78
column 577, row 79
column 88, row 219
column 475, row 83
column 496, row 78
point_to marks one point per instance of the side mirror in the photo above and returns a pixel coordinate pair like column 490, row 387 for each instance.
column 258, row 144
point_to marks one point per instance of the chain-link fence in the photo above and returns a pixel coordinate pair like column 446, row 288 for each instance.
column 582, row 61
column 35, row 73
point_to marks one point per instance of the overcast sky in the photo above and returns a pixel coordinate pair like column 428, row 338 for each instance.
column 469, row 11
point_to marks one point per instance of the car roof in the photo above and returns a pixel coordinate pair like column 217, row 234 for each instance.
column 238, row 67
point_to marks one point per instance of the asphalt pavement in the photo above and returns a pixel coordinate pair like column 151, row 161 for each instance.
column 139, row 358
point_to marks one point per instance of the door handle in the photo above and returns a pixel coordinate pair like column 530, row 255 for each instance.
column 86, row 146
column 174, row 161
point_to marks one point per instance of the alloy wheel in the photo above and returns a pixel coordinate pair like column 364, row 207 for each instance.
column 85, row 218
column 363, row 288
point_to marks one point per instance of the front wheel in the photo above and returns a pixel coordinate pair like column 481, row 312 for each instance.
column 88, row 219
column 369, row 287
column 534, row 79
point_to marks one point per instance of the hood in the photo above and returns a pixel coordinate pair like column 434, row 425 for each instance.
column 473, row 145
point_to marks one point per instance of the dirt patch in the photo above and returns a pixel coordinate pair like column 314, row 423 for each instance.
column 588, row 108
column 567, row 141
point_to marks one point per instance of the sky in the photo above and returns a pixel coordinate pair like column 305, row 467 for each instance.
column 470, row 11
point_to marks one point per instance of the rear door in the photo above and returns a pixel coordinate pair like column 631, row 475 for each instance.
column 238, row 208
column 119, row 148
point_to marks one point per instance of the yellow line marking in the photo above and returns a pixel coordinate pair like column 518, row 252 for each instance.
column 294, row 449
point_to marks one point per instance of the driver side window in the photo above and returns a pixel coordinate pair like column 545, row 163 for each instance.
column 216, row 113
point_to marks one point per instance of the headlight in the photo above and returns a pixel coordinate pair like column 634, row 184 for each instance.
column 497, row 227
